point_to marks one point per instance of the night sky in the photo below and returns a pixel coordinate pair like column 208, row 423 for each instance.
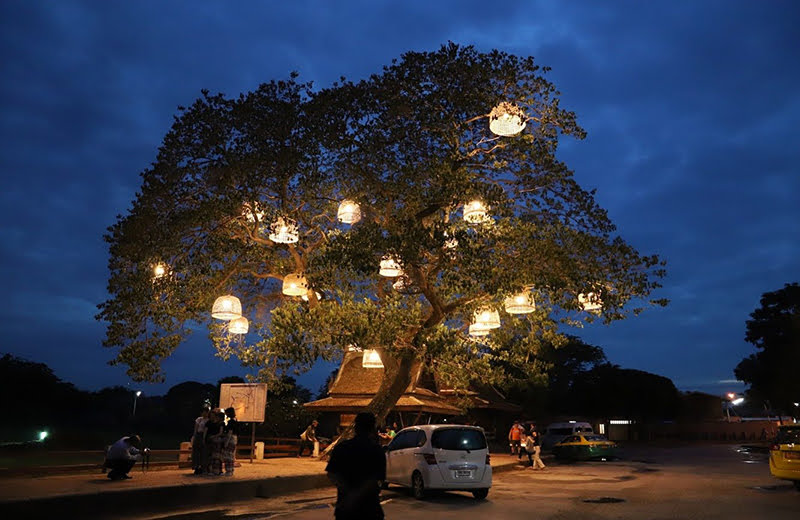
column 691, row 107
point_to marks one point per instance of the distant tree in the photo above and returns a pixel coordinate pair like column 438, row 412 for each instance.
column 184, row 402
column 774, row 329
column 325, row 389
column 285, row 414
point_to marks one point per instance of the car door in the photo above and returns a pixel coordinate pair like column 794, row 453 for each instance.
column 396, row 453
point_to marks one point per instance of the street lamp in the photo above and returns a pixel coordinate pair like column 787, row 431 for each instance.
column 135, row 398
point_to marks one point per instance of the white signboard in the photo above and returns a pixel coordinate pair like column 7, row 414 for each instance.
column 248, row 399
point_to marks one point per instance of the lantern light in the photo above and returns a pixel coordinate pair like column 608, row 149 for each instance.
column 238, row 325
column 486, row 318
column 371, row 359
column 253, row 212
column 160, row 270
column 284, row 231
column 475, row 212
column 506, row 119
column 295, row 284
column 349, row 212
column 305, row 296
column 477, row 330
column 226, row 308
column 591, row 302
column 520, row 303
column 390, row 267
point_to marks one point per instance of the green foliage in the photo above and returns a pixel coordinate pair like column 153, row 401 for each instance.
column 410, row 145
column 774, row 329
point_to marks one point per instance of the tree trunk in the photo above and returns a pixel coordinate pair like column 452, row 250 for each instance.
column 396, row 378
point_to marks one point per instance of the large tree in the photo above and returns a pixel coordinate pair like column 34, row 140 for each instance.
column 774, row 329
column 411, row 146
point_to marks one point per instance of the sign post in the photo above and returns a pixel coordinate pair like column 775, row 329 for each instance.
column 249, row 400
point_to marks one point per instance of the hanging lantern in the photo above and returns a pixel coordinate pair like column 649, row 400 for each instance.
column 305, row 296
column 349, row 212
column 295, row 284
column 520, row 303
column 371, row 359
column 475, row 212
column 226, row 308
column 590, row 302
column 478, row 330
column 486, row 318
column 284, row 231
column 238, row 325
column 252, row 212
column 506, row 119
column 390, row 267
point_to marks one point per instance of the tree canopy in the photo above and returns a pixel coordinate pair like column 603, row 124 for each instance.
column 412, row 147
column 774, row 329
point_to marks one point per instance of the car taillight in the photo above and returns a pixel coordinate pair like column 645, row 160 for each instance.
column 430, row 458
column 488, row 460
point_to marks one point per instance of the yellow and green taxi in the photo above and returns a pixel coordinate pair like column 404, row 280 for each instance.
column 784, row 454
column 585, row 446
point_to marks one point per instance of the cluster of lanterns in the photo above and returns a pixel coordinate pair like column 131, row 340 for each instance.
column 229, row 308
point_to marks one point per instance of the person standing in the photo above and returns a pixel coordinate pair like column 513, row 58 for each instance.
column 214, row 439
column 230, row 439
column 357, row 467
column 536, row 462
column 122, row 456
column 198, row 443
column 515, row 437
column 308, row 439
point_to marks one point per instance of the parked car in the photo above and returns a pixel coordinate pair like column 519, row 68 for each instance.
column 557, row 432
column 442, row 457
column 585, row 446
column 784, row 454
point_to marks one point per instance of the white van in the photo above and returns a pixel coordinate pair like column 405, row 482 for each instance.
column 440, row 456
column 556, row 432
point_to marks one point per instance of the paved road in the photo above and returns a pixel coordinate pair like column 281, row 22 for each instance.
column 681, row 482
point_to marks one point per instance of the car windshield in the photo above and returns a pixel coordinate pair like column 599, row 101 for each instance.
column 464, row 439
column 788, row 435
column 591, row 438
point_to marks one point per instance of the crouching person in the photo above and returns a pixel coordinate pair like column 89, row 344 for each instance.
column 122, row 456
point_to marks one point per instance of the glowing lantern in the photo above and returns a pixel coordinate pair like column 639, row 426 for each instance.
column 371, row 359
column 238, row 325
column 506, row 119
column 284, row 231
column 475, row 212
column 520, row 303
column 305, row 296
column 390, row 267
column 486, row 318
column 252, row 212
column 226, row 308
column 160, row 270
column 295, row 284
column 349, row 212
column 478, row 330
column 590, row 302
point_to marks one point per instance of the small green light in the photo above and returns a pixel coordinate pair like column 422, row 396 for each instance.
column 42, row 435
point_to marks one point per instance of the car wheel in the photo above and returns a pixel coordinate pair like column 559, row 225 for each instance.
column 480, row 494
column 417, row 486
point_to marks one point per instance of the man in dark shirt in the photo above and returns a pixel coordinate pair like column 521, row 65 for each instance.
column 357, row 466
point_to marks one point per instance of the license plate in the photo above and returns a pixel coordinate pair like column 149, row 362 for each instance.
column 463, row 473
column 794, row 455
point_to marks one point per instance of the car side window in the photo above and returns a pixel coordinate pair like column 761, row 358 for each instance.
column 403, row 440
column 421, row 438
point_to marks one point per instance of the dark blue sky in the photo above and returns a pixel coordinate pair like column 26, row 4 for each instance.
column 692, row 109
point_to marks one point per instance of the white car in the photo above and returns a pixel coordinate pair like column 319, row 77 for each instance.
column 440, row 456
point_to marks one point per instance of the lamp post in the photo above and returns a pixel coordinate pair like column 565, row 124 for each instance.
column 135, row 398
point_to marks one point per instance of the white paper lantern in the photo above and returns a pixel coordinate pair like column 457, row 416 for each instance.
column 284, row 231
column 295, row 284
column 486, row 318
column 520, row 303
column 478, row 330
column 475, row 212
column 390, row 267
column 590, row 302
column 349, row 212
column 371, row 359
column 226, row 308
column 506, row 119
column 160, row 270
column 238, row 325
